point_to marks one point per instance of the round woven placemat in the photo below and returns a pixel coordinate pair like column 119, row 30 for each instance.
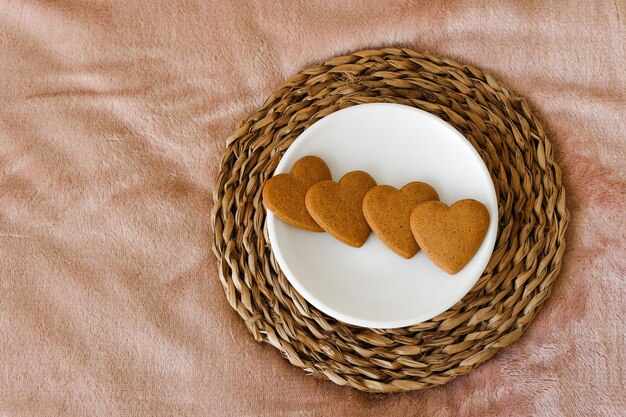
column 525, row 262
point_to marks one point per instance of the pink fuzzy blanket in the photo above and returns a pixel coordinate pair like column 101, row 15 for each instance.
column 112, row 125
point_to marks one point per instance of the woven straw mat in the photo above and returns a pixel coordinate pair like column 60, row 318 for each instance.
column 524, row 265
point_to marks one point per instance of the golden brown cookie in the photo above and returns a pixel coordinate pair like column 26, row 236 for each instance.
column 284, row 194
column 450, row 236
column 336, row 207
column 388, row 211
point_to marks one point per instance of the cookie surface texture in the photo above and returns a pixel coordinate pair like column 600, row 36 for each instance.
column 388, row 210
column 450, row 236
column 337, row 207
column 284, row 194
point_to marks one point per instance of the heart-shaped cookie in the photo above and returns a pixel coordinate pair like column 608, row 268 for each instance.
column 450, row 236
column 284, row 194
column 336, row 207
column 388, row 211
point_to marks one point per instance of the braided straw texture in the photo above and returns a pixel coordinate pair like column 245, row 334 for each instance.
column 524, row 265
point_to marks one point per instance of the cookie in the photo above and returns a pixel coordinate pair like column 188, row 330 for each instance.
column 450, row 236
column 388, row 210
column 284, row 194
column 336, row 207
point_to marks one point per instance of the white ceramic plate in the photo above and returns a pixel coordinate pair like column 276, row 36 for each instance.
column 371, row 286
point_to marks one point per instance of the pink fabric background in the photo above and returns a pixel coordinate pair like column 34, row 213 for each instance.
column 112, row 122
